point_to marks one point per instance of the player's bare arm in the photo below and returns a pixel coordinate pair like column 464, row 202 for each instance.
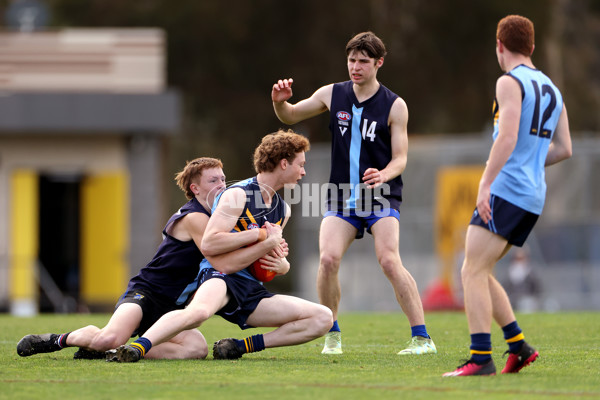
column 219, row 238
column 276, row 260
column 282, row 250
column 195, row 224
column 561, row 147
column 191, row 227
column 508, row 96
column 398, row 121
column 272, row 261
column 239, row 259
column 290, row 114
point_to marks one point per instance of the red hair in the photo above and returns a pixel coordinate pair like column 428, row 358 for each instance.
column 516, row 34
column 192, row 171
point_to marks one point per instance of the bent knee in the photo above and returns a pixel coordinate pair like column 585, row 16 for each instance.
column 195, row 344
column 323, row 320
column 201, row 351
column 392, row 267
column 329, row 262
column 106, row 340
column 390, row 260
column 195, row 317
column 470, row 270
column 196, row 349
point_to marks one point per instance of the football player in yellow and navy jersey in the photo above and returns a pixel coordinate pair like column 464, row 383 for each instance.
column 246, row 225
column 531, row 131
column 255, row 213
column 369, row 143
column 164, row 284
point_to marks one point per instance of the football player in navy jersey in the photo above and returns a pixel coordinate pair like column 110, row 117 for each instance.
column 164, row 284
column 246, row 225
column 531, row 131
column 368, row 124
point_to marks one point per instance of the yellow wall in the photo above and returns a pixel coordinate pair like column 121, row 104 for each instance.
column 456, row 197
column 24, row 238
column 104, row 237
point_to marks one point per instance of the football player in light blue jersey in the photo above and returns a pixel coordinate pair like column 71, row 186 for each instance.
column 531, row 131
column 521, row 181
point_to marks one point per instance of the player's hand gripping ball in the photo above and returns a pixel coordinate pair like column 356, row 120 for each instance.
column 263, row 275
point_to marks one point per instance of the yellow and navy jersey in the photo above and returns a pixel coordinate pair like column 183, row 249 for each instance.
column 360, row 139
column 255, row 213
column 172, row 273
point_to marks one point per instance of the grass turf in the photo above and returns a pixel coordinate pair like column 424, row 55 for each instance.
column 568, row 366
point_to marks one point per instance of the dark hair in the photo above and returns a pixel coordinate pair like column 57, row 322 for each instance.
column 193, row 170
column 516, row 34
column 275, row 147
column 367, row 42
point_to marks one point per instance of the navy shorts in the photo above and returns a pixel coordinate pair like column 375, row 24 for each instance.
column 360, row 221
column 244, row 296
column 153, row 307
column 509, row 221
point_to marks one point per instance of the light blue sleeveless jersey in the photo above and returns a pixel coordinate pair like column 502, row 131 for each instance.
column 522, row 180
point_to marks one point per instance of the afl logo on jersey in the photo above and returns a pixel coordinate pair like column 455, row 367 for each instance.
column 343, row 116
column 253, row 226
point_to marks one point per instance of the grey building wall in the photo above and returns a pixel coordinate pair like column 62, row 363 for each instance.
column 146, row 196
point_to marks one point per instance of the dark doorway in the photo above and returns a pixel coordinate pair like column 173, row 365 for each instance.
column 59, row 242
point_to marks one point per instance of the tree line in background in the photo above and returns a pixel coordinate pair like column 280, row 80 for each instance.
column 224, row 57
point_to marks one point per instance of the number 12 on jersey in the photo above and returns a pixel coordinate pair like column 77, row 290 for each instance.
column 538, row 129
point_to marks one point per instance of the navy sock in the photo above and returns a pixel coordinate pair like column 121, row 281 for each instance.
column 419, row 330
column 61, row 341
column 142, row 345
column 481, row 347
column 335, row 327
column 251, row 344
column 514, row 336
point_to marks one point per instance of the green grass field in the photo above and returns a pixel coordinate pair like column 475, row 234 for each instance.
column 568, row 367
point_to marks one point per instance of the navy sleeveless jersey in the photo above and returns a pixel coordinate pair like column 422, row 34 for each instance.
column 255, row 213
column 361, row 139
column 175, row 267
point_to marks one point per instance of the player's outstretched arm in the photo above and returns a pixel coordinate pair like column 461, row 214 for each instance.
column 290, row 114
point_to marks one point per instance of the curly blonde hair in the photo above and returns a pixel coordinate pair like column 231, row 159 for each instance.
column 277, row 146
column 193, row 170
